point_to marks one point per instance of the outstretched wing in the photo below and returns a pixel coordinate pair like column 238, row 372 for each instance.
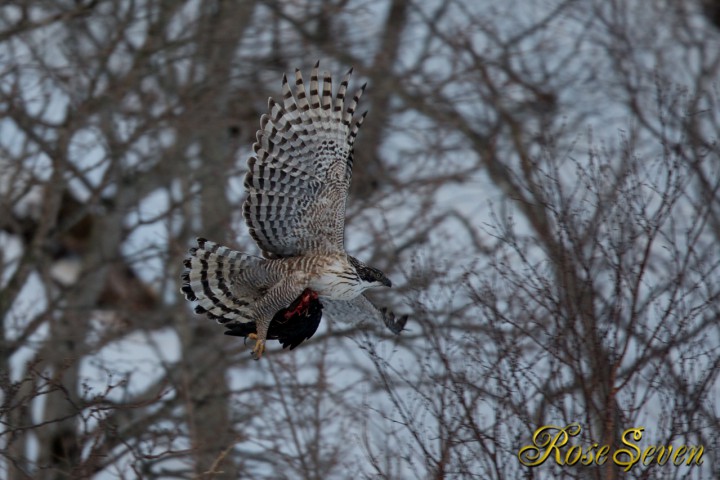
column 298, row 179
column 360, row 309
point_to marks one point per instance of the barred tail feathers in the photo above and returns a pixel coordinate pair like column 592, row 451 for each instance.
column 211, row 278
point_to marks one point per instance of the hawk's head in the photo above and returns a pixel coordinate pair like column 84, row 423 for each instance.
column 369, row 276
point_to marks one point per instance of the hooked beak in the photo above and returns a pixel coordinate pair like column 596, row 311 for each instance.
column 386, row 281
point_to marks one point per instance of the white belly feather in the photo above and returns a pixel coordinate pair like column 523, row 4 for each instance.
column 336, row 282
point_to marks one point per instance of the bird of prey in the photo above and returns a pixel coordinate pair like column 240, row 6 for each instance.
column 297, row 187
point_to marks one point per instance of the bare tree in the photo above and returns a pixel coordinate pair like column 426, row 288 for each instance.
column 598, row 303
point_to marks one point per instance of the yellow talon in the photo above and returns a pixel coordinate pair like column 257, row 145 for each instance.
column 259, row 347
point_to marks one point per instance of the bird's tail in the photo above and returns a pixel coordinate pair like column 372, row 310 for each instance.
column 212, row 279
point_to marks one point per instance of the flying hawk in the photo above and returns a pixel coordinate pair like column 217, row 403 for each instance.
column 297, row 185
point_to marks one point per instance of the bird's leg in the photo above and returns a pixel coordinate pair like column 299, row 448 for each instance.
column 260, row 337
column 275, row 299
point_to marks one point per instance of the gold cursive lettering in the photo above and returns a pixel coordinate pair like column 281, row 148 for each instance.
column 699, row 449
column 602, row 455
column 632, row 459
column 679, row 455
column 662, row 460
column 549, row 440
column 544, row 443
column 647, row 456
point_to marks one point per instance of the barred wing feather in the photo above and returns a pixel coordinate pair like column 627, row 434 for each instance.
column 298, row 177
